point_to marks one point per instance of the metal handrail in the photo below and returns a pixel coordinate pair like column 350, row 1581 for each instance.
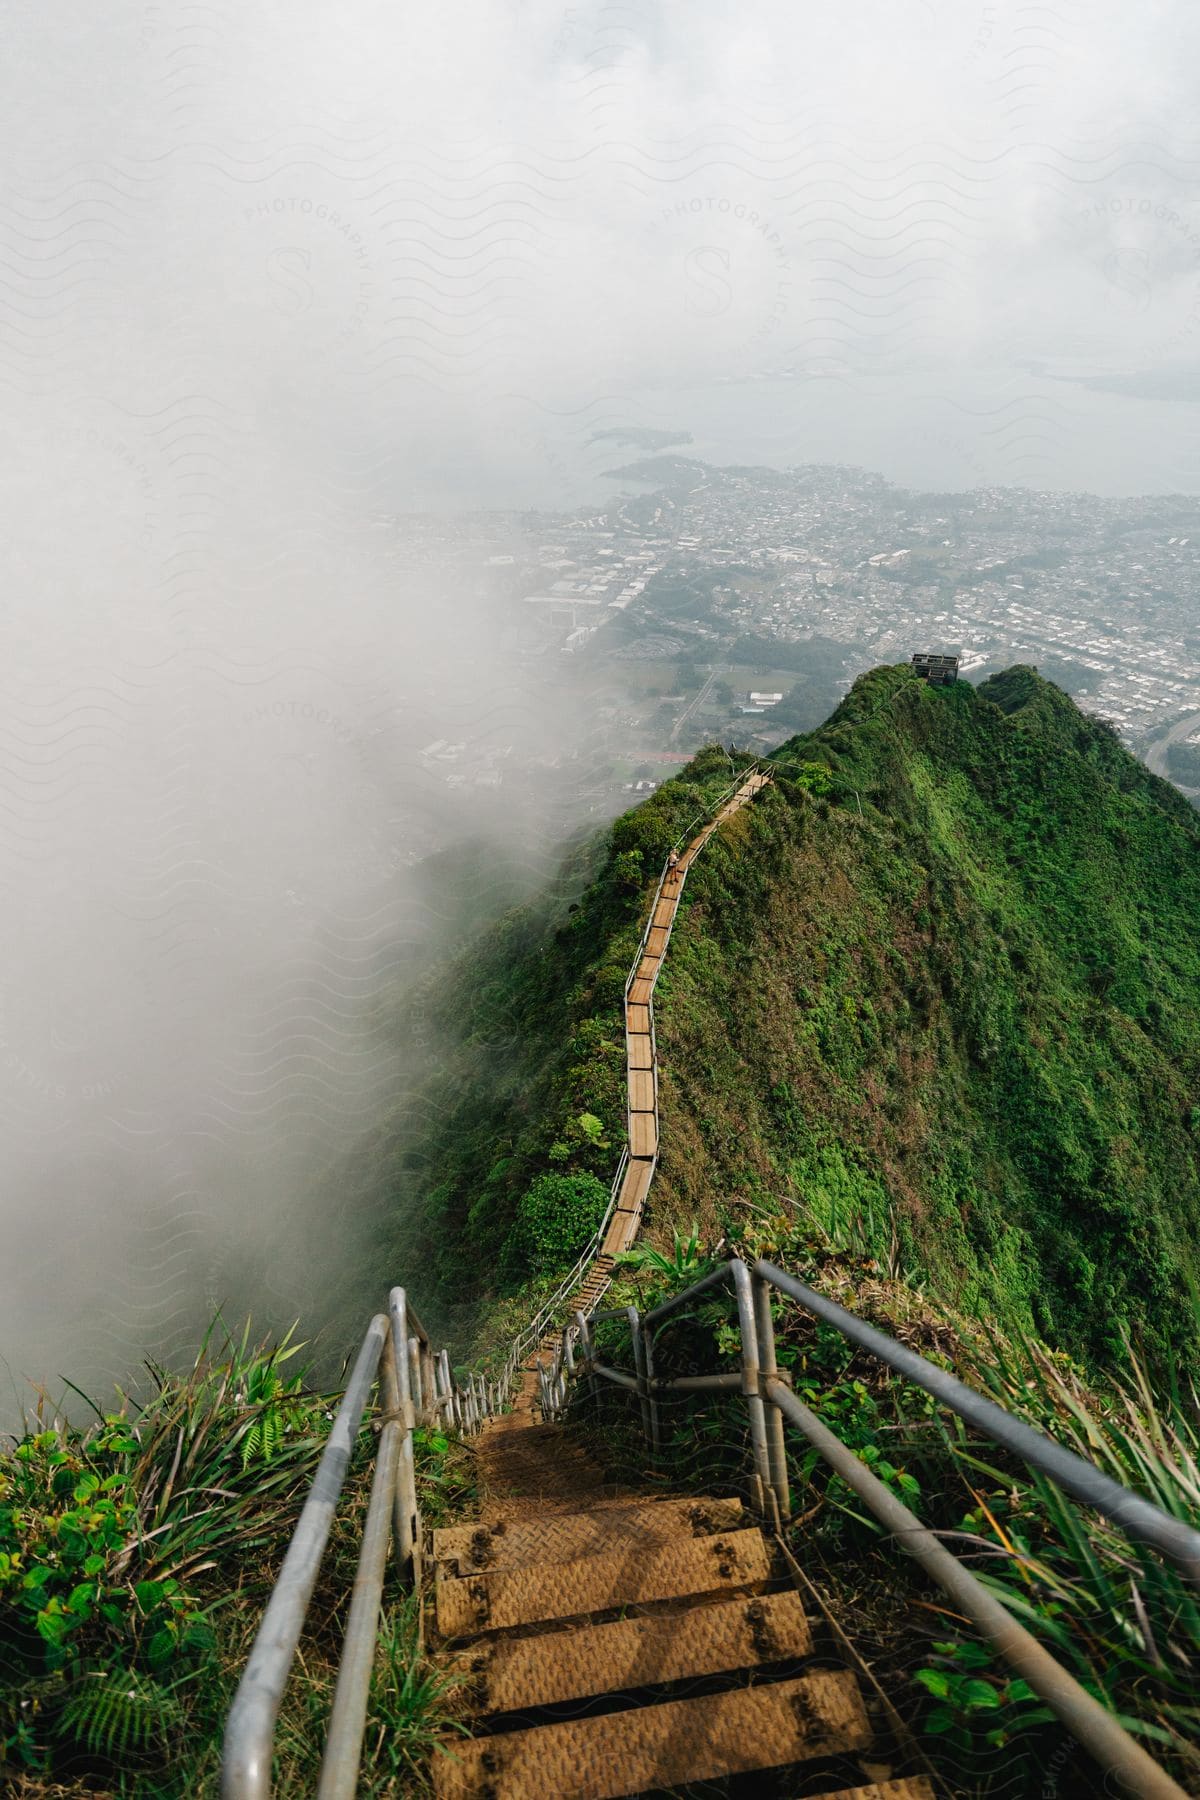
column 760, row 1381
column 416, row 1386
column 1137, row 1517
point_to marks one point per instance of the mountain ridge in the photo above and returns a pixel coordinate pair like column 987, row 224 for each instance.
column 955, row 993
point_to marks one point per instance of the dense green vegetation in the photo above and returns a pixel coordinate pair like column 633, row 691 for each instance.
column 958, row 995
column 136, row 1557
column 528, row 1080
column 1125, row 1622
column 930, row 1020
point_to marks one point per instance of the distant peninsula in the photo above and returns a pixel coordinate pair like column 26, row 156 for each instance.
column 641, row 437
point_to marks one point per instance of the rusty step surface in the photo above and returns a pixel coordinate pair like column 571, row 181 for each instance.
column 634, row 1575
column 655, row 1747
column 643, row 1134
column 623, row 1228
column 909, row 1787
column 520, row 1460
column 641, row 1090
column 567, row 1536
column 522, row 1674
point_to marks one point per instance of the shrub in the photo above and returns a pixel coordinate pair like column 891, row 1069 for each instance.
column 556, row 1216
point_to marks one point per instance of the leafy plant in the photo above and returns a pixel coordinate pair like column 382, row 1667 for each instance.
column 556, row 1217
column 120, row 1714
column 112, row 1622
column 686, row 1263
column 970, row 1706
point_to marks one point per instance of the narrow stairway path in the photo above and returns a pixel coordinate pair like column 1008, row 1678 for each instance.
column 613, row 1643
column 641, row 1060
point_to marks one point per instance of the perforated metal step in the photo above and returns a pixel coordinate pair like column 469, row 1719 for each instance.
column 662, row 1746
column 639, row 1573
column 521, row 1674
column 564, row 1537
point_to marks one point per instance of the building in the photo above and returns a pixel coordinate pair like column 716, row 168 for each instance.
column 938, row 669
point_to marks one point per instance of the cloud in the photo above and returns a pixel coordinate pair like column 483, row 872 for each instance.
column 273, row 277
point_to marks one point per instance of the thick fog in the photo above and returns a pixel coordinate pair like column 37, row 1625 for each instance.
column 273, row 280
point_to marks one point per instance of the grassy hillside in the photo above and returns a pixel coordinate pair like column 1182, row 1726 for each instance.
column 958, row 997
column 525, row 1048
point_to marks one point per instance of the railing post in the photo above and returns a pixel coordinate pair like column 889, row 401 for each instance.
column 406, row 1522
column 751, row 1380
column 651, row 1402
column 428, row 1382
column 639, row 1368
column 445, row 1390
column 416, row 1387
column 776, row 1445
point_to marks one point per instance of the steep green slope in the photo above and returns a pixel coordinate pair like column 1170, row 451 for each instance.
column 523, row 1040
column 968, row 1010
column 958, row 996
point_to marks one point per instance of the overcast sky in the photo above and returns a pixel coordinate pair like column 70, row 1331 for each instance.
column 269, row 272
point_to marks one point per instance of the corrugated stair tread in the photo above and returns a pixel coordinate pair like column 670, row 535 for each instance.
column 567, row 1536
column 761, row 1727
column 640, row 1050
column 519, row 1674
column 639, row 1573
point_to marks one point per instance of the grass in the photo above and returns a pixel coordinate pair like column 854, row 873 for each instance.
column 136, row 1557
column 412, row 1710
column 961, row 991
column 1123, row 1620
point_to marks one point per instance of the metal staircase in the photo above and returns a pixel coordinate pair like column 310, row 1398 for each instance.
column 609, row 1641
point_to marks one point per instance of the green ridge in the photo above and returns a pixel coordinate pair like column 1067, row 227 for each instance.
column 958, row 996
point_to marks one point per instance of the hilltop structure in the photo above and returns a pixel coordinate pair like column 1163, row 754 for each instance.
column 938, row 669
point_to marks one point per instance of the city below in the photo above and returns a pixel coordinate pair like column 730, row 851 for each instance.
column 739, row 603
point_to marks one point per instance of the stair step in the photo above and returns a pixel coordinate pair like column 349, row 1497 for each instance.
column 631, row 1576
column 568, row 1536
column 909, row 1787
column 655, row 1747
column 520, row 1674
column 643, row 1135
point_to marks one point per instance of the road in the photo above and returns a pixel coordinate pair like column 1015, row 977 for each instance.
column 689, row 710
column 1156, row 749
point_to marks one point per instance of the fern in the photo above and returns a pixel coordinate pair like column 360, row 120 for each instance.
column 117, row 1714
column 264, row 1436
